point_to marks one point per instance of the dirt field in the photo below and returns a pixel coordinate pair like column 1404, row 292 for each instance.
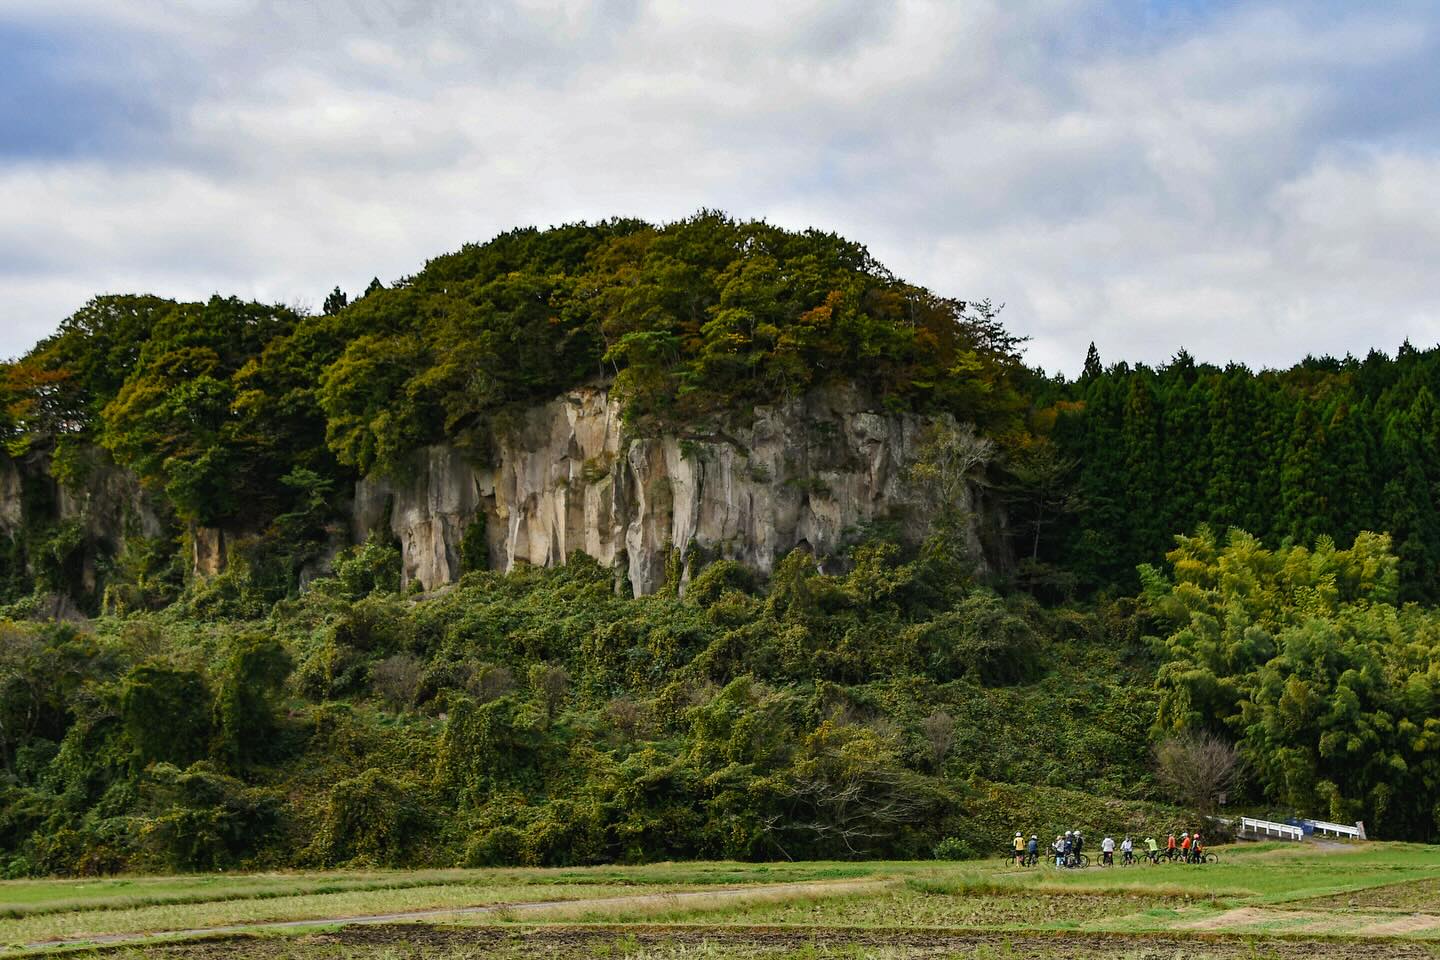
column 418, row 942
column 1417, row 895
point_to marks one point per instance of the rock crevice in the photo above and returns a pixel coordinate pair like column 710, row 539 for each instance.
column 815, row 472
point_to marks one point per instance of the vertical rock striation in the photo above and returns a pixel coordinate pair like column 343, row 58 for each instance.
column 814, row 472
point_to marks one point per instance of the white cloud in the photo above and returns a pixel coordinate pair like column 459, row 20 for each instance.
column 1148, row 187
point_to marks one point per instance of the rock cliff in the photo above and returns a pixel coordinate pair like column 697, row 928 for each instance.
column 814, row 472
column 104, row 503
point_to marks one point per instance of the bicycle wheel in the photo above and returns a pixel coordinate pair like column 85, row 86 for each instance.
column 1211, row 858
column 1083, row 860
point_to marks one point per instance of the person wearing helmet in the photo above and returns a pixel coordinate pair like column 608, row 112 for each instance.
column 1152, row 850
column 1032, row 851
column 1127, row 852
column 1078, row 847
column 1197, row 849
column 1019, row 849
column 1059, row 847
column 1185, row 847
column 1170, row 846
column 1107, row 852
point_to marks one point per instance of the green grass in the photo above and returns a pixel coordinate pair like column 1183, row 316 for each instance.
column 33, row 911
column 21, row 898
column 1258, row 891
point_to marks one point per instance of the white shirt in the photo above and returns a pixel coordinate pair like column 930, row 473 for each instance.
column 1108, row 845
column 1127, row 846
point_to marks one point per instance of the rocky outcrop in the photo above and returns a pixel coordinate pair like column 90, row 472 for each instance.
column 105, row 502
column 814, row 472
column 111, row 504
column 12, row 515
column 209, row 552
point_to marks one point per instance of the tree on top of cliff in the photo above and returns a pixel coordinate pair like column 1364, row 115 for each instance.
column 691, row 320
column 211, row 402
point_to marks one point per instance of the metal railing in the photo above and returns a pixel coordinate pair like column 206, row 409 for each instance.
column 1325, row 828
column 1267, row 828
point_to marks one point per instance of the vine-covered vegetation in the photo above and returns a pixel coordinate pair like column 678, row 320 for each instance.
column 264, row 717
column 540, row 718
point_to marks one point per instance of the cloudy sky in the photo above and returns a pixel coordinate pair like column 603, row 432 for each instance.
column 1252, row 181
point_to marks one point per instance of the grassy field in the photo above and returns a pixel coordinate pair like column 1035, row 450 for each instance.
column 1359, row 902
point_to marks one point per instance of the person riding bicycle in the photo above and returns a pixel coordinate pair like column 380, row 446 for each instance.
column 1170, row 846
column 1019, row 849
column 1032, row 849
column 1152, row 849
column 1127, row 852
column 1107, row 851
column 1197, row 849
column 1079, row 846
column 1069, row 848
column 1185, row 847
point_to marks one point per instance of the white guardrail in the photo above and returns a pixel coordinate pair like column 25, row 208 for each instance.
column 1267, row 828
column 1325, row 828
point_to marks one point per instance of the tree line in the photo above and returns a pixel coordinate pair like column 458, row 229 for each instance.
column 1328, row 448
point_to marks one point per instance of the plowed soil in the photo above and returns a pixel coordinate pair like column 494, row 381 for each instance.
column 1421, row 895
column 421, row 942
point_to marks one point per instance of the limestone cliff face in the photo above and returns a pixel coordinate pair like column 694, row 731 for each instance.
column 106, row 501
column 812, row 472
column 12, row 515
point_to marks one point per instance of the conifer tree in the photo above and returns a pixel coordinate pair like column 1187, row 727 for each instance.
column 1303, row 487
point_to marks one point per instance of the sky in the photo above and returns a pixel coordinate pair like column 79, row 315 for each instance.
column 1253, row 182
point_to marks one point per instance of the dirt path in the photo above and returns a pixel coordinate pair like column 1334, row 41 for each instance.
column 779, row 891
column 1259, row 920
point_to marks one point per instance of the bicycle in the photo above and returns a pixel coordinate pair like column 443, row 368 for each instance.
column 1127, row 858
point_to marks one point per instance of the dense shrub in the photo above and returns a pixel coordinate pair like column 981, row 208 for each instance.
column 201, row 819
column 369, row 819
column 166, row 713
column 249, row 684
column 953, row 848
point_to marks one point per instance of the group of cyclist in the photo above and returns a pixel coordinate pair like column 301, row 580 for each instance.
column 1068, row 850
